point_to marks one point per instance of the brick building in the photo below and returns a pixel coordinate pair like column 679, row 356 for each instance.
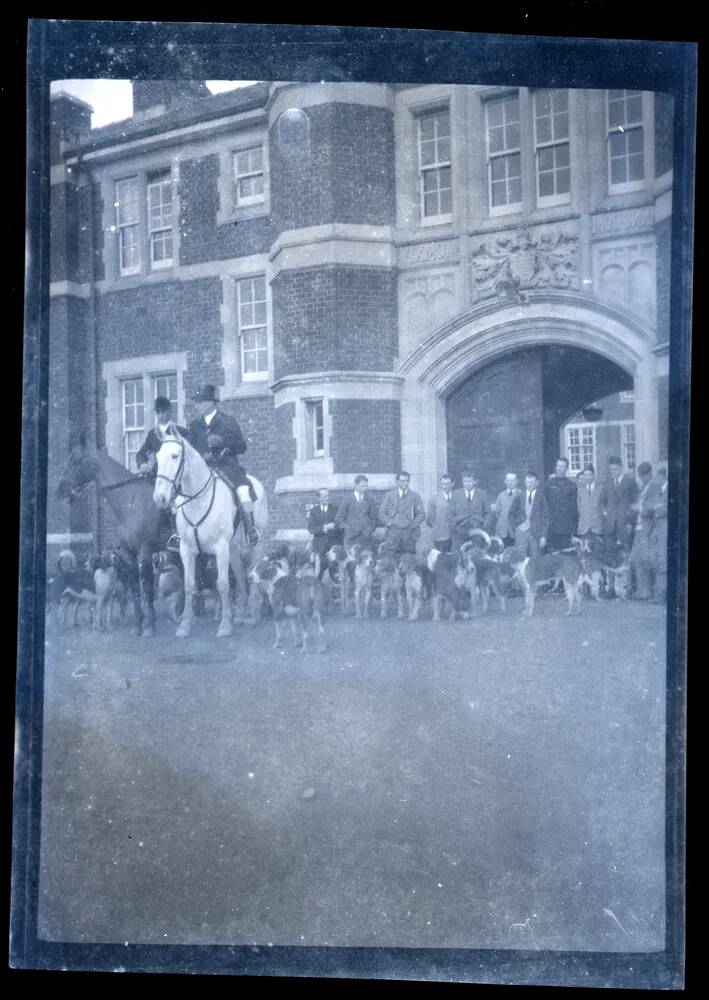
column 375, row 276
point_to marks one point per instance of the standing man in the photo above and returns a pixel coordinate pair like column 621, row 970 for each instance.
column 321, row 525
column 619, row 494
column 659, row 538
column 218, row 438
column 529, row 517
column 562, row 499
column 439, row 517
column 402, row 513
column 641, row 555
column 357, row 515
column 145, row 459
column 470, row 510
column 589, row 504
column 501, row 508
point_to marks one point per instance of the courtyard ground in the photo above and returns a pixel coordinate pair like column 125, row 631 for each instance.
column 497, row 783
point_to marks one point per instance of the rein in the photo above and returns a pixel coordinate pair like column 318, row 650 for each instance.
column 124, row 482
column 177, row 482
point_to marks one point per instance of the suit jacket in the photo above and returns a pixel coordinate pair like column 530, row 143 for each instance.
column 538, row 515
column 357, row 518
column 402, row 512
column 590, row 503
column 562, row 498
column 503, row 503
column 223, row 424
column 616, row 503
column 152, row 445
column 439, row 517
column 468, row 514
column 317, row 519
column 649, row 498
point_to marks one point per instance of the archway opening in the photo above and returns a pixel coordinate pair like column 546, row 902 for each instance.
column 508, row 415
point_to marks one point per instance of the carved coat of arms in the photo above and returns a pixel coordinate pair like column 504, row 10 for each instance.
column 508, row 264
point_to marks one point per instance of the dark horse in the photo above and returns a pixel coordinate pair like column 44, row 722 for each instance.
column 139, row 521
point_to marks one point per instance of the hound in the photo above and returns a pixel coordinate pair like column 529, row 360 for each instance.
column 414, row 577
column 387, row 572
column 340, row 562
column 450, row 578
column 487, row 574
column 534, row 571
column 298, row 599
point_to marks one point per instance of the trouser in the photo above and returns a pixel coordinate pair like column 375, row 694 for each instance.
column 442, row 545
column 526, row 544
column 399, row 540
column 508, row 541
column 641, row 562
column 557, row 540
column 362, row 538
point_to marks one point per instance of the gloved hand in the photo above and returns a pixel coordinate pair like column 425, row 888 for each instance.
column 210, row 459
column 215, row 440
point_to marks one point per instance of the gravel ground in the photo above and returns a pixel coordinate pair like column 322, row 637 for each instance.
column 497, row 783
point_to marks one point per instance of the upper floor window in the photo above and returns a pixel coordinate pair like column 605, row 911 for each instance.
column 435, row 177
column 249, row 176
column 144, row 222
column 160, row 220
column 551, row 141
column 626, row 140
column 315, row 420
column 128, row 225
column 504, row 154
column 252, row 312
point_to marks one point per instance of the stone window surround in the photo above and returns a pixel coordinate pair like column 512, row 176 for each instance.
column 228, row 211
column 234, row 386
column 648, row 126
column 115, row 372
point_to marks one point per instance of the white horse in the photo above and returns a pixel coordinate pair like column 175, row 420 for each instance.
column 205, row 519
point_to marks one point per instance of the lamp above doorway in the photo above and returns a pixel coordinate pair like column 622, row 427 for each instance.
column 592, row 413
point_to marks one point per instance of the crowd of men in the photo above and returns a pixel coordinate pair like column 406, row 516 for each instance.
column 541, row 518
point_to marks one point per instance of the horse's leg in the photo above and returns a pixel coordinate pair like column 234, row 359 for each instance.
column 222, row 554
column 135, row 596
column 188, row 557
column 147, row 587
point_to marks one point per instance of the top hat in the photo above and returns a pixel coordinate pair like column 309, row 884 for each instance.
column 207, row 394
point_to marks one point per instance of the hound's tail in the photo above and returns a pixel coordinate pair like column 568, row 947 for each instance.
column 479, row 533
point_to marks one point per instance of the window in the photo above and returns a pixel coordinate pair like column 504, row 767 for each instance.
column 435, row 178
column 580, row 447
column 504, row 154
column 253, row 327
column 133, row 419
column 248, row 176
column 551, row 141
column 626, row 140
column 166, row 385
column 160, row 220
column 128, row 225
column 627, row 440
column 315, row 420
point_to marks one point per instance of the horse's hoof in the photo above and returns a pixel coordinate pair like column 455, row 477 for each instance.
column 148, row 632
column 136, row 630
column 322, row 648
column 224, row 632
column 183, row 631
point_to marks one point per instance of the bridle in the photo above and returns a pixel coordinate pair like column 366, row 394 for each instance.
column 175, row 486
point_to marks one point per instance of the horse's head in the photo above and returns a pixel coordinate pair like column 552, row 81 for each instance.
column 170, row 464
column 78, row 470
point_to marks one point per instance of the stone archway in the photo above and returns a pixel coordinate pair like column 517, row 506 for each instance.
column 448, row 356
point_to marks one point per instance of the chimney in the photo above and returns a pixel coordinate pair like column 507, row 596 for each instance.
column 70, row 122
column 155, row 97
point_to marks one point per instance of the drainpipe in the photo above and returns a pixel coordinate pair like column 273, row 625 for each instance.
column 92, row 356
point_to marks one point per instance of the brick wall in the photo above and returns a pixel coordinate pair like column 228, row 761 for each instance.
column 366, row 435
column 345, row 174
column 334, row 318
column 663, row 237
column 201, row 238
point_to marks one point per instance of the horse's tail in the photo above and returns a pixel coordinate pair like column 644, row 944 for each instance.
column 260, row 504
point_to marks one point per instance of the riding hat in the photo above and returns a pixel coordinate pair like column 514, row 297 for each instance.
column 162, row 403
column 207, row 394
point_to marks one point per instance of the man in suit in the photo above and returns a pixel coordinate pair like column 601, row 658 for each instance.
column 562, row 499
column 218, row 438
column 402, row 513
column 529, row 517
column 501, row 508
column 641, row 555
column 321, row 525
column 357, row 515
column 659, row 538
column 470, row 510
column 145, row 459
column 590, row 505
column 439, row 515
column 619, row 493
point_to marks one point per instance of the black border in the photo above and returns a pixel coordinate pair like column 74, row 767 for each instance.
column 76, row 49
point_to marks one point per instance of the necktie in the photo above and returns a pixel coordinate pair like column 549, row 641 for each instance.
column 470, row 496
column 529, row 499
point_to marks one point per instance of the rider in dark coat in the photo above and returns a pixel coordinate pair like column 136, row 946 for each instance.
column 145, row 459
column 218, row 438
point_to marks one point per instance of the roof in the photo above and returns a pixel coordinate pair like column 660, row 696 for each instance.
column 201, row 109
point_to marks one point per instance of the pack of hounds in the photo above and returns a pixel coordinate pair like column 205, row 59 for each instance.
column 290, row 584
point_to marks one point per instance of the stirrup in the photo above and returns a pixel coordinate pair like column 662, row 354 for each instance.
column 173, row 543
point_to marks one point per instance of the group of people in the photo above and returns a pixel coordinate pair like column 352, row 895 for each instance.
column 537, row 519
